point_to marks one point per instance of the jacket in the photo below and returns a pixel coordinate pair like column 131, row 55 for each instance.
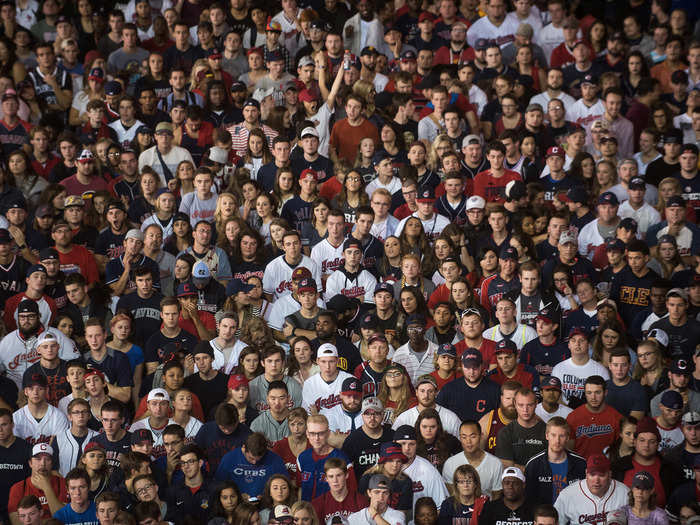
column 671, row 475
column 538, row 476
column 375, row 35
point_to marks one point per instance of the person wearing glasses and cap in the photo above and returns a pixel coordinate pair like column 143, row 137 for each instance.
column 85, row 180
column 362, row 444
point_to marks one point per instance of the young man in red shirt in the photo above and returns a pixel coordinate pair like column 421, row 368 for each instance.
column 491, row 183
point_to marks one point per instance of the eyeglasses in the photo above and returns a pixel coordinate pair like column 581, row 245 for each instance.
column 465, row 482
column 189, row 462
column 394, row 374
column 114, row 154
column 644, row 355
column 144, row 490
column 317, row 434
column 354, row 179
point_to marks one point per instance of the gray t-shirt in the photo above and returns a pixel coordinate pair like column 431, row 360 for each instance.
column 120, row 60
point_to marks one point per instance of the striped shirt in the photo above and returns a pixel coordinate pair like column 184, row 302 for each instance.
column 239, row 137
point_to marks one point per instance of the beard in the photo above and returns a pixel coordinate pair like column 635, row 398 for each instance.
column 509, row 412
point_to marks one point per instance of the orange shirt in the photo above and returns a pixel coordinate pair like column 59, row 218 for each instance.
column 346, row 138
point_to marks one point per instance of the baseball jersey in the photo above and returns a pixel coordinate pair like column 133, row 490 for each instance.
column 328, row 257
column 47, row 310
column 272, row 429
column 359, row 285
column 470, row 402
column 341, row 421
column 593, row 432
column 312, row 478
column 427, row 481
column 494, row 288
column 277, row 280
column 33, row 431
column 17, row 353
column 576, row 504
column 588, row 239
column 583, row 115
column 321, row 394
column 573, row 377
column 157, row 433
column 493, row 189
column 69, row 450
column 450, row 421
column 433, row 226
column 282, row 307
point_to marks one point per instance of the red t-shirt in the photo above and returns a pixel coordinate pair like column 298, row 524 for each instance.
column 346, row 138
column 79, row 260
column 487, row 349
column 592, row 433
column 655, row 471
column 522, row 376
column 457, row 373
column 440, row 295
column 27, row 488
column 281, row 448
column 491, row 188
column 207, row 319
column 327, row 507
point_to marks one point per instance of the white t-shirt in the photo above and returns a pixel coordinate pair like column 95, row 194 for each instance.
column 490, row 470
column 645, row 216
column 391, row 516
column 433, row 227
column 450, row 421
column 199, row 209
column 580, row 114
column 392, row 187
column 172, row 159
column 561, row 411
column 484, row 28
column 573, row 377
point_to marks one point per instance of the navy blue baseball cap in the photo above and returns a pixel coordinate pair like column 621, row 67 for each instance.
column 508, row 252
column 447, row 349
column 415, row 319
column 608, row 197
column 384, row 287
column 550, row 382
column 380, row 156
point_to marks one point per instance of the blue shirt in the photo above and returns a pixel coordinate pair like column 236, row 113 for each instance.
column 69, row 517
column 250, row 478
column 559, row 475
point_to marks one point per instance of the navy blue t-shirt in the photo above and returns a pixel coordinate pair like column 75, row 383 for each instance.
column 115, row 366
column 467, row 402
column 154, row 349
column 146, row 314
column 110, row 244
column 544, row 357
column 624, row 399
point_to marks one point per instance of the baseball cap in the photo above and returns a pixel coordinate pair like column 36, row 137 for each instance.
column 677, row 292
column 637, row 183
column 85, row 156
column 235, row 286
column 46, row 336
column 238, row 86
column 534, row 106
column 351, row 386
column 648, row 425
column 675, row 201
column 475, row 202
column 36, row 268
column 42, row 448
column 93, row 445
column 309, row 132
column 426, row 15
column 236, row 381
column 372, row 403
column 48, row 254
column 200, row 271
column 551, row 382
column 597, row 463
column 508, row 253
column 369, row 321
column 261, row 94
column 681, row 366
column 588, row 79
column 408, row 56
column 308, row 95
column 377, row 337
column 282, row 514
column 568, row 236
column 506, row 346
column 472, row 358
column 307, row 285
column 73, row 200
column 368, row 51
column 679, row 77
column 113, row 88
column 545, row 315
column 672, row 399
column 134, row 233
column 513, row 472
column 186, row 289
column 692, row 148
column 384, row 287
column 577, row 330
column 141, row 435
column 471, row 139
column 673, row 136
column 659, row 335
column 251, row 102
column 614, row 244
column 555, row 151
column 5, row 237
column 164, row 127
column 481, row 44
column 608, row 197
column 447, row 349
column 308, row 172
column 273, row 25
column 691, row 418
column 158, row 394
column 352, row 242
column 214, row 52
column 391, row 450
column 427, row 379
column 327, row 350
column 300, row 273
column 9, row 94
column 378, row 481
column 405, row 432
column 203, row 347
column 516, row 190
column 30, row 380
column 28, row 306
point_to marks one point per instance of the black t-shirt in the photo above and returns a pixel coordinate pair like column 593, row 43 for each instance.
column 146, row 314
column 14, row 467
column 518, row 444
column 322, row 166
column 12, row 278
column 153, row 351
column 299, row 321
column 659, row 169
column 244, row 270
column 529, row 308
column 114, row 448
column 363, row 450
column 212, row 297
column 56, row 378
column 497, row 512
column 211, row 392
column 682, row 340
column 115, row 366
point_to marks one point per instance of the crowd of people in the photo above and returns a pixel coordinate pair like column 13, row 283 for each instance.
column 323, row 262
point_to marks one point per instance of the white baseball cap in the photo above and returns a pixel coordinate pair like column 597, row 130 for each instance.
column 42, row 448
column 513, row 472
column 46, row 336
column 158, row 394
column 476, row 202
column 327, row 350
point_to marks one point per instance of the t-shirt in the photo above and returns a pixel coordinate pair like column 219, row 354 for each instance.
column 626, row 398
column 13, row 468
column 27, row 488
column 346, row 138
column 250, row 478
column 363, row 450
column 155, row 346
column 593, row 432
column 573, row 377
column 327, row 507
column 70, row 517
column 518, row 444
column 211, row 392
column 559, row 477
column 470, row 402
